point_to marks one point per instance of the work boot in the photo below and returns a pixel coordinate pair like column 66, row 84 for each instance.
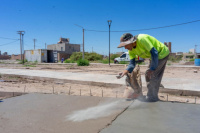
column 151, row 99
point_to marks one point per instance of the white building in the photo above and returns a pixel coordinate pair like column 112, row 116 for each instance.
column 192, row 51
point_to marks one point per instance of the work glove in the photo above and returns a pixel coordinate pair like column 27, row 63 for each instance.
column 121, row 74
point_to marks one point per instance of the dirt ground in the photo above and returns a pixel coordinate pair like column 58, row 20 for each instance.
column 18, row 84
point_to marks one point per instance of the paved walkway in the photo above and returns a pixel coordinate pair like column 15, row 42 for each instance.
column 48, row 113
column 172, row 83
column 159, row 117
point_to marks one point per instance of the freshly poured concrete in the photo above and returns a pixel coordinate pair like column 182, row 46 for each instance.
column 159, row 117
column 47, row 113
column 172, row 83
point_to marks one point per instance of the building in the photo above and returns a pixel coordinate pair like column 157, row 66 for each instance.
column 4, row 56
column 5, row 53
column 64, row 48
column 16, row 57
column 192, row 51
column 41, row 55
column 53, row 53
column 179, row 53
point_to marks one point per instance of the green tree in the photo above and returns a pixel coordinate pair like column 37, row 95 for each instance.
column 113, row 56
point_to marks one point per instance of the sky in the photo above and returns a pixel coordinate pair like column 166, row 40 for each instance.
column 48, row 20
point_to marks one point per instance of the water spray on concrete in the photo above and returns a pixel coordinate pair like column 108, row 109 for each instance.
column 101, row 110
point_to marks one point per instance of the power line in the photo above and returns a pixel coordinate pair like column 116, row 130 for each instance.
column 173, row 25
column 9, row 43
column 8, row 38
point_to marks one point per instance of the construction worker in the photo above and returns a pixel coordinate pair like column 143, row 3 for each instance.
column 144, row 46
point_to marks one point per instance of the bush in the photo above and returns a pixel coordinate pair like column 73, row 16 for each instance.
column 21, row 61
column 76, row 56
column 89, row 56
column 106, row 61
column 29, row 66
column 123, row 62
column 93, row 56
column 69, row 61
column 175, row 58
column 191, row 59
column 113, row 56
column 83, row 62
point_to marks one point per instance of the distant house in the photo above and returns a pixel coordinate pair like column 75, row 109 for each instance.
column 192, row 51
column 64, row 48
column 16, row 57
column 4, row 56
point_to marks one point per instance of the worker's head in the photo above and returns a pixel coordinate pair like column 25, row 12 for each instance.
column 128, row 41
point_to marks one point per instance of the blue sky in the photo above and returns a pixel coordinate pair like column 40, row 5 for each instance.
column 48, row 20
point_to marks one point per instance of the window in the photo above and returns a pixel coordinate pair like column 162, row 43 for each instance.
column 61, row 48
column 123, row 56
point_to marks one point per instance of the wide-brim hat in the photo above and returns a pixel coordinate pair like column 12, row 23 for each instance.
column 127, row 39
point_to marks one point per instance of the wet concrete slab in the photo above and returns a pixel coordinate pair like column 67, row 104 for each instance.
column 48, row 113
column 159, row 117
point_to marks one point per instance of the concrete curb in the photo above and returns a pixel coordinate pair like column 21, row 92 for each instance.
column 111, row 85
column 11, row 94
column 92, row 83
column 180, row 92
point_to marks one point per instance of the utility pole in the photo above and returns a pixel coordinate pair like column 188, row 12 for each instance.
column 109, row 24
column 92, row 49
column 45, row 46
column 83, row 44
column 195, row 51
column 21, row 33
column 34, row 42
column 83, row 40
column 23, row 47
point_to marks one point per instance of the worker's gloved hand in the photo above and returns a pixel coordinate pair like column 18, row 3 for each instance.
column 121, row 74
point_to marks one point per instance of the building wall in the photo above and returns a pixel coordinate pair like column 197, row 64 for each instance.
column 16, row 57
column 38, row 55
column 56, row 47
column 70, row 48
column 4, row 57
column 66, row 47
column 43, row 55
column 198, row 55
column 187, row 56
column 63, row 55
column 192, row 51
